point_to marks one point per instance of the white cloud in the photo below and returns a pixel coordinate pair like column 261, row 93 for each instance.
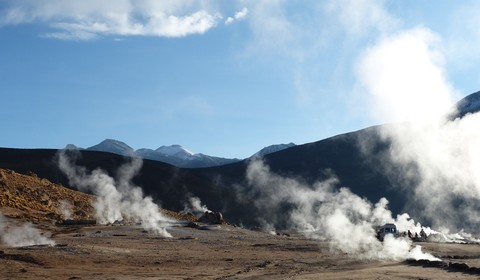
column 241, row 14
column 85, row 20
column 229, row 20
column 238, row 16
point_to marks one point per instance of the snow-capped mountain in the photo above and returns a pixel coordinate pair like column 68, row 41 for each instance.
column 182, row 157
column 72, row 147
column 176, row 154
column 272, row 149
column 175, row 151
column 113, row 146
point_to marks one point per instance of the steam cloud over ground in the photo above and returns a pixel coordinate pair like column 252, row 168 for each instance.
column 24, row 235
column 194, row 206
column 116, row 200
column 441, row 160
column 322, row 212
column 66, row 208
column 434, row 158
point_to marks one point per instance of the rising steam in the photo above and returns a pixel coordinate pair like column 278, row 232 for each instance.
column 443, row 159
column 323, row 212
column 404, row 80
column 24, row 235
column 116, row 200
column 66, row 209
column 195, row 206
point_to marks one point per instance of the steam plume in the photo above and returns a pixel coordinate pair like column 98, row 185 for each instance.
column 404, row 79
column 24, row 235
column 195, row 206
column 339, row 216
column 117, row 200
column 66, row 209
column 443, row 159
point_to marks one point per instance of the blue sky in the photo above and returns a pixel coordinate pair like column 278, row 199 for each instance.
column 227, row 78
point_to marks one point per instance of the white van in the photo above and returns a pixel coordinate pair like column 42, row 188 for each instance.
column 387, row 229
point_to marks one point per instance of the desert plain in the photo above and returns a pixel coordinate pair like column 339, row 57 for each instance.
column 213, row 252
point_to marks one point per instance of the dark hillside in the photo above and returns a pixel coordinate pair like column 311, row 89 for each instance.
column 168, row 185
column 217, row 186
column 364, row 173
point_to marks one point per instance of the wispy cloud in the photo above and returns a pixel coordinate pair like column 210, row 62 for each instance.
column 238, row 16
column 463, row 37
column 271, row 29
column 361, row 17
column 86, row 20
column 289, row 30
column 307, row 39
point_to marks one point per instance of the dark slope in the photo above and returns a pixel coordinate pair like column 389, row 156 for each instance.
column 168, row 185
column 361, row 171
column 217, row 187
column 468, row 105
column 357, row 159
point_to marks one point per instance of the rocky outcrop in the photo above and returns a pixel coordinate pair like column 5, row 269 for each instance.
column 210, row 217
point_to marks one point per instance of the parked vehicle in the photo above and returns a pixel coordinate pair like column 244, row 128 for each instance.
column 387, row 229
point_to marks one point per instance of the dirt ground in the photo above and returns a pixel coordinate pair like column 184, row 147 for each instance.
column 206, row 252
column 212, row 252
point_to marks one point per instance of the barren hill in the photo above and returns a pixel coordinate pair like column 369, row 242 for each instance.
column 39, row 200
column 30, row 198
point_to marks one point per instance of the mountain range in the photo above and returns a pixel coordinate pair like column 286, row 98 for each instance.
column 175, row 154
column 226, row 188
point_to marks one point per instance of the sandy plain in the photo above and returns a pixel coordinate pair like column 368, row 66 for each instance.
column 214, row 252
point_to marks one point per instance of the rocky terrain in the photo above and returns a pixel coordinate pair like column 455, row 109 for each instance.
column 195, row 250
column 28, row 197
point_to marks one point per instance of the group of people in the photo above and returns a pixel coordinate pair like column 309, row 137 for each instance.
column 416, row 236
